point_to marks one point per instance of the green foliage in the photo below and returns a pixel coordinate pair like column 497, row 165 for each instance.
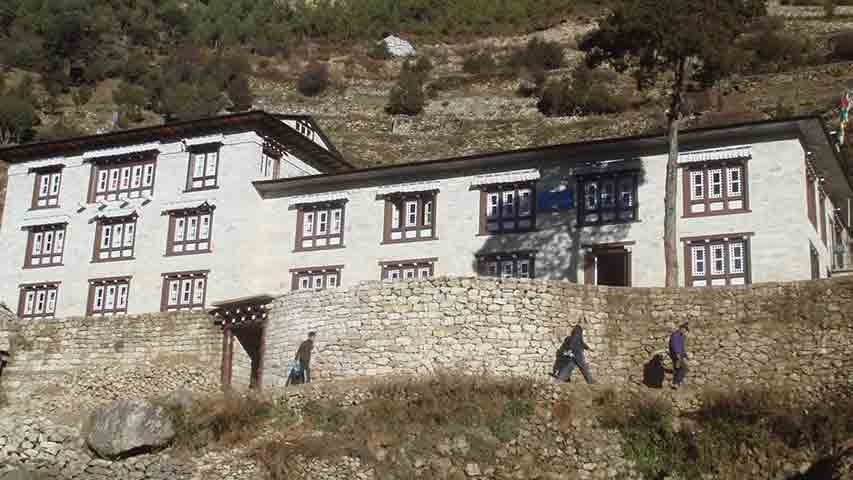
column 478, row 62
column 657, row 39
column 131, row 101
column 17, row 119
column 60, row 130
column 587, row 92
column 407, row 96
column 314, row 80
column 772, row 49
column 82, row 95
column 538, row 54
column 379, row 51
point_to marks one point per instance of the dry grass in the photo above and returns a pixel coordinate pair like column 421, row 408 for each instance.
column 405, row 419
column 226, row 420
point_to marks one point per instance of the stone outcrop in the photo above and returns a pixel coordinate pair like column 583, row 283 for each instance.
column 127, row 427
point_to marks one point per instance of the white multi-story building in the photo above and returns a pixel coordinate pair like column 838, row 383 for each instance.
column 185, row 215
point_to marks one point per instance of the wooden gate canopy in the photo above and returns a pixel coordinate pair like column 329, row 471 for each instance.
column 241, row 312
column 245, row 319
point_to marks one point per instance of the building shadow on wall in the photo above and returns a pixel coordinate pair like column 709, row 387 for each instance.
column 559, row 243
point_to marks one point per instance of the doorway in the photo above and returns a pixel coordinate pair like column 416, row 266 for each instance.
column 608, row 265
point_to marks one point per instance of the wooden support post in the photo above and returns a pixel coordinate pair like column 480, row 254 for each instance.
column 227, row 357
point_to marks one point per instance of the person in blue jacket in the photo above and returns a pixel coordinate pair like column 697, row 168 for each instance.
column 572, row 351
column 678, row 354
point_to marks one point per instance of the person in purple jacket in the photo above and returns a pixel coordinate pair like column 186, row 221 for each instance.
column 678, row 354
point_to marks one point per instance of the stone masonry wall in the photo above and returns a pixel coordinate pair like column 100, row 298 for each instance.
column 48, row 350
column 799, row 333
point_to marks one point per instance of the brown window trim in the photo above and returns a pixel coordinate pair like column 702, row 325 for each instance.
column 316, row 208
column 420, row 224
column 822, row 204
column 180, row 277
column 43, row 230
column 186, row 214
column 47, row 287
column 704, row 167
column 616, row 177
column 309, row 272
column 99, row 229
column 486, row 190
column 708, row 242
column 119, row 162
column 416, row 265
column 48, row 172
column 811, row 198
column 104, row 283
column 484, row 259
column 204, row 149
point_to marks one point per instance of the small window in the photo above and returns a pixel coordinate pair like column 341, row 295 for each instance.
column 114, row 239
column 322, row 226
column 715, row 190
column 203, row 168
column 507, row 265
column 408, row 269
column 608, row 198
column 316, row 278
column 717, row 261
column 38, row 300
column 108, row 296
column 190, row 231
column 115, row 179
column 45, row 246
column 507, row 208
column 184, row 291
column 822, row 205
column 48, row 181
column 409, row 217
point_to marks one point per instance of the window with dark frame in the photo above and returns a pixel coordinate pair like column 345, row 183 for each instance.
column 270, row 163
column 45, row 245
column 38, row 300
column 203, row 168
column 717, row 261
column 607, row 198
column 822, row 203
column 715, row 188
column 507, row 208
column 48, row 181
column 190, row 231
column 108, row 296
column 408, row 269
column 410, row 217
column 506, row 265
column 811, row 201
column 184, row 291
column 115, row 238
column 129, row 176
column 316, row 278
column 320, row 226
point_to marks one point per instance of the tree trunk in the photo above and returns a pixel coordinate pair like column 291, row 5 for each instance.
column 670, row 230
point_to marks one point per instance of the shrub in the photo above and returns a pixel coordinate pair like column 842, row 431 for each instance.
column 478, row 62
column 314, row 80
column 842, row 46
column 587, row 92
column 379, row 51
column 532, row 84
column 829, row 8
column 773, row 49
column 407, row 96
column 422, row 67
column 538, row 54
column 131, row 101
column 82, row 95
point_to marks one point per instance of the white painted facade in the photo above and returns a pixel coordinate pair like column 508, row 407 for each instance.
column 254, row 226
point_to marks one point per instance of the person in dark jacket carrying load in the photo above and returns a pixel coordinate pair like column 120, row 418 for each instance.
column 678, row 354
column 571, row 353
column 301, row 372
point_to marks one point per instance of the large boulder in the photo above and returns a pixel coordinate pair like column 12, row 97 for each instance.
column 127, row 427
column 398, row 47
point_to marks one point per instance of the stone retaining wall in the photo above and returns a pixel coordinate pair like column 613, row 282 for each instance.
column 45, row 351
column 799, row 333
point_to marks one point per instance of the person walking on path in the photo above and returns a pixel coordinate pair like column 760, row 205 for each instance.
column 573, row 351
column 678, row 354
column 303, row 356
